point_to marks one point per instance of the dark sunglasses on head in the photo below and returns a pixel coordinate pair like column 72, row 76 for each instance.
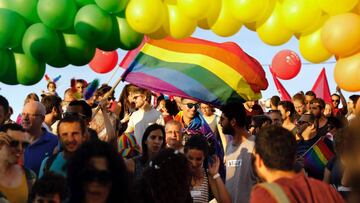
column 191, row 105
column 101, row 176
column 16, row 143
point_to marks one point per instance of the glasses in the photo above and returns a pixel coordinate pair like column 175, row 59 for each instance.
column 82, row 116
column 299, row 107
column 335, row 100
column 17, row 143
column 23, row 115
column 191, row 105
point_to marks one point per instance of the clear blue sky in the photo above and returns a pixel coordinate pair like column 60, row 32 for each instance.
column 247, row 40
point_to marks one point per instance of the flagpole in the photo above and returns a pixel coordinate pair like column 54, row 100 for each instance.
column 311, row 146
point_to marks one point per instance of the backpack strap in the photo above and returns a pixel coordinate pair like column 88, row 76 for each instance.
column 49, row 162
column 30, row 177
column 276, row 192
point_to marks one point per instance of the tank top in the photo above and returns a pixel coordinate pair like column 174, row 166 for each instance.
column 18, row 194
column 200, row 194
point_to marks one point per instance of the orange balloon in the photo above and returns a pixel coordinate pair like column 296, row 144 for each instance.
column 347, row 73
column 341, row 34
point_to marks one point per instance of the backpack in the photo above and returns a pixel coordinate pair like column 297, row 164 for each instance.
column 276, row 192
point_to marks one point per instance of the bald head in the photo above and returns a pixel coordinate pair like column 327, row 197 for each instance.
column 32, row 116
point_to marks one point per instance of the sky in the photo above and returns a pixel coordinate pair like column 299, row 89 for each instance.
column 247, row 40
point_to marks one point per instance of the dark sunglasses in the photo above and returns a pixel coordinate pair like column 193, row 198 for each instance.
column 191, row 105
column 16, row 143
column 335, row 100
column 101, row 176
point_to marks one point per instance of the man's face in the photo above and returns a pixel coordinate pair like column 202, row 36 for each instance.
column 316, row 110
column 189, row 108
column 80, row 87
column 283, row 112
column 51, row 87
column 276, row 118
column 14, row 151
column 335, row 101
column 206, row 110
column 2, row 115
column 138, row 99
column 51, row 198
column 308, row 100
column 250, row 104
column 173, row 136
column 226, row 125
column 71, row 136
column 32, row 119
column 299, row 107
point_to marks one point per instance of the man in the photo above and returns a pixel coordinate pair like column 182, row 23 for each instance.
column 276, row 118
column 288, row 115
column 42, row 141
column 72, row 133
column 252, row 108
column 4, row 110
column 275, row 150
column 13, row 141
column 274, row 102
column 317, row 109
column 336, row 98
column 174, row 135
column 53, row 110
column 299, row 103
column 239, row 174
column 144, row 116
column 309, row 96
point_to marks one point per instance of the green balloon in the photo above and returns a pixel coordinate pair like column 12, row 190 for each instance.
column 112, row 42
column 10, row 77
column 93, row 24
column 82, row 3
column 57, row 14
column 79, row 52
column 4, row 61
column 12, row 28
column 5, row 4
column 129, row 38
column 112, row 6
column 60, row 59
column 41, row 42
column 27, row 9
column 28, row 70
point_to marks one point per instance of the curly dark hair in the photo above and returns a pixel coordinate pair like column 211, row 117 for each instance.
column 197, row 142
column 149, row 129
column 168, row 179
column 50, row 184
column 80, row 162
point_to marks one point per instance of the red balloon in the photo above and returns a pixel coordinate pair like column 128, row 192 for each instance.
column 286, row 64
column 104, row 61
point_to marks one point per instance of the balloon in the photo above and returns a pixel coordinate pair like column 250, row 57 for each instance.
column 319, row 22
column 12, row 28
column 212, row 15
column 194, row 9
column 341, row 34
column 347, row 73
column 178, row 25
column 93, row 24
column 112, row 42
column 112, row 6
column 312, row 48
column 273, row 31
column 298, row 15
column 27, row 9
column 9, row 77
column 129, row 38
column 104, row 62
column 5, row 4
column 247, row 11
column 260, row 19
column 28, row 71
column 226, row 25
column 78, row 51
column 59, row 61
column 4, row 61
column 57, row 14
column 158, row 34
column 286, row 64
column 82, row 3
column 145, row 16
column 334, row 7
column 41, row 42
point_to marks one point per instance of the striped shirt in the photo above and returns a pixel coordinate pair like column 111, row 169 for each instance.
column 200, row 194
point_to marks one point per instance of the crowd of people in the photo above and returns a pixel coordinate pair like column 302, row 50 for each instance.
column 147, row 147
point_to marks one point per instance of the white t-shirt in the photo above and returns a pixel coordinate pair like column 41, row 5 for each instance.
column 140, row 120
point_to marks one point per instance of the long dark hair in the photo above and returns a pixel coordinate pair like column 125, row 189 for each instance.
column 149, row 129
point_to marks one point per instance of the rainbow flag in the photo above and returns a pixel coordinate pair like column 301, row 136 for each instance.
column 316, row 158
column 194, row 68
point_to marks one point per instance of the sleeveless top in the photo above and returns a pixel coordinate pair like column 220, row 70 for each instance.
column 200, row 194
column 18, row 194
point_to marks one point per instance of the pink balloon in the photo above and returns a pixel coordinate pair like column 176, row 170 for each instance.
column 104, row 61
column 286, row 64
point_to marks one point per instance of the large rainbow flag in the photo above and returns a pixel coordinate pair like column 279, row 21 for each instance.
column 194, row 68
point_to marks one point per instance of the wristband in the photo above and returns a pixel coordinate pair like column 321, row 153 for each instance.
column 216, row 176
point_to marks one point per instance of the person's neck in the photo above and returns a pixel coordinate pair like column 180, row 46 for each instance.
column 5, row 167
column 273, row 175
column 35, row 134
column 67, row 155
column 151, row 155
column 187, row 120
column 240, row 136
column 308, row 136
column 49, row 120
column 145, row 107
column 287, row 122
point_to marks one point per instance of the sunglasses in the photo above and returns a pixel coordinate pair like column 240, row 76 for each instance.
column 101, row 176
column 17, row 143
column 191, row 105
column 335, row 100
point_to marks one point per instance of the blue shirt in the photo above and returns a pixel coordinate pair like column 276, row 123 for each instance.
column 37, row 151
column 57, row 166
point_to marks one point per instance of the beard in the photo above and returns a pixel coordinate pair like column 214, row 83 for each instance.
column 227, row 130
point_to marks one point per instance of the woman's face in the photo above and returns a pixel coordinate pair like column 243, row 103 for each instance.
column 195, row 157
column 328, row 110
column 155, row 141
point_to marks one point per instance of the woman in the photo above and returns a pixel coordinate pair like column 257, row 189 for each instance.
column 96, row 174
column 196, row 150
column 152, row 142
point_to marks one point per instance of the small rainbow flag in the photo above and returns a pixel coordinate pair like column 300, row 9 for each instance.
column 194, row 68
column 316, row 158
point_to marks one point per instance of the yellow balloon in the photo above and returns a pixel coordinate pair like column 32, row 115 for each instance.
column 145, row 16
column 334, row 7
column 347, row 73
column 158, row 34
column 195, row 9
column 262, row 16
column 273, row 31
column 319, row 22
column 247, row 11
column 178, row 25
column 213, row 14
column 341, row 34
column 312, row 48
column 298, row 15
column 226, row 25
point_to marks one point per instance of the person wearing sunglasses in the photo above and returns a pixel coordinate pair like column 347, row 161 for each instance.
column 336, row 98
column 15, row 180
